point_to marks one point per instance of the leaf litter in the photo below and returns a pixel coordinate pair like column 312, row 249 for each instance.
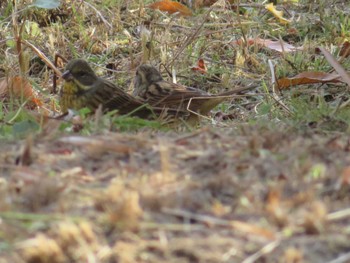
column 203, row 197
column 230, row 192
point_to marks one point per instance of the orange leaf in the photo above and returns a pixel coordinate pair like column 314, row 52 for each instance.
column 200, row 67
column 309, row 78
column 345, row 49
column 171, row 7
column 274, row 207
column 20, row 88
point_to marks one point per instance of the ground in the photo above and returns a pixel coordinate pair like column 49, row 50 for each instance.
column 264, row 178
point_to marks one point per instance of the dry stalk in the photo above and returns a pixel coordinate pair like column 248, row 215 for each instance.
column 190, row 38
column 263, row 251
column 43, row 57
column 273, row 82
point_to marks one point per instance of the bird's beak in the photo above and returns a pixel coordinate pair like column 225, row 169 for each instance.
column 67, row 75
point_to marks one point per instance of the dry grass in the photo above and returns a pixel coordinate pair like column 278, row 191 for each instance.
column 261, row 181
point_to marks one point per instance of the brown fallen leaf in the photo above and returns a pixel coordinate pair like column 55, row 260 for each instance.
column 314, row 218
column 344, row 180
column 201, row 68
column 292, row 255
column 311, row 77
column 171, row 7
column 345, row 49
column 249, row 228
column 279, row 46
column 275, row 209
column 20, row 88
column 96, row 147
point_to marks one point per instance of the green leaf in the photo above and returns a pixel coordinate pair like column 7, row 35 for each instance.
column 84, row 112
column 47, row 4
column 6, row 131
column 265, row 108
column 23, row 128
column 10, row 43
column 32, row 28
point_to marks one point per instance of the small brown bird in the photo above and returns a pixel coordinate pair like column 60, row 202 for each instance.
column 153, row 89
column 83, row 88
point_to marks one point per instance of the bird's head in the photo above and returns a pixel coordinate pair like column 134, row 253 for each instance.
column 144, row 77
column 148, row 74
column 80, row 72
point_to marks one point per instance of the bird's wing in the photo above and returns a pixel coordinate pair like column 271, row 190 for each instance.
column 126, row 104
column 164, row 93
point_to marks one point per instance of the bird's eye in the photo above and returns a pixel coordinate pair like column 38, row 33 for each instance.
column 81, row 74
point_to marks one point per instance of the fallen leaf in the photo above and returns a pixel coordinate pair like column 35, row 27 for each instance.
column 278, row 14
column 171, row 7
column 20, row 88
column 252, row 229
column 97, row 146
column 311, row 77
column 345, row 49
column 345, row 178
column 314, row 219
column 292, row 255
column 201, row 68
column 279, row 46
column 275, row 209
column 292, row 31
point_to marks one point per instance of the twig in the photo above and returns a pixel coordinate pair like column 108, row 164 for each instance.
column 263, row 251
column 210, row 220
column 341, row 259
column 98, row 13
column 202, row 218
column 54, row 78
column 336, row 65
column 17, row 112
column 190, row 38
column 43, row 57
column 273, row 82
column 338, row 215
column 169, row 227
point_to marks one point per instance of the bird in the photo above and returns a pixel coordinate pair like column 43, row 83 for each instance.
column 83, row 88
column 150, row 86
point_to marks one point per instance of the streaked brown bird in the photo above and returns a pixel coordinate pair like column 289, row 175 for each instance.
column 153, row 89
column 83, row 88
